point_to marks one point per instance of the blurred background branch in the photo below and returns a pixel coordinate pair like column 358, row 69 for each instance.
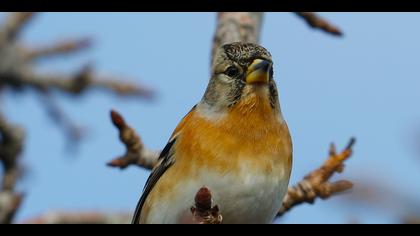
column 68, row 217
column 11, row 145
column 316, row 22
column 18, row 72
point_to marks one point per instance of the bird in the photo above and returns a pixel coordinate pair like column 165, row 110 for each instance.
column 235, row 141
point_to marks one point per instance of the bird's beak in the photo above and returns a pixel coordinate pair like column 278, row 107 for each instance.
column 258, row 72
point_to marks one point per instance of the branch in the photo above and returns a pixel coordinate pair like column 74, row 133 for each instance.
column 14, row 25
column 136, row 153
column 18, row 72
column 73, row 131
column 80, row 218
column 77, row 84
column 57, row 49
column 9, row 205
column 237, row 27
column 316, row 185
column 202, row 211
column 11, row 144
column 316, row 22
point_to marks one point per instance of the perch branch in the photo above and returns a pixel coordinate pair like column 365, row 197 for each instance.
column 316, row 22
column 136, row 153
column 203, row 212
column 316, row 185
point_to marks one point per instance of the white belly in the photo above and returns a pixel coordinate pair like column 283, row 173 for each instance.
column 250, row 197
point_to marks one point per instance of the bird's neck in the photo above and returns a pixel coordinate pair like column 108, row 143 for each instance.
column 253, row 111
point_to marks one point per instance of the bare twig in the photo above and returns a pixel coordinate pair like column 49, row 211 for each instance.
column 316, row 184
column 14, row 25
column 315, row 21
column 57, row 49
column 93, row 217
column 75, row 84
column 136, row 153
column 16, row 66
column 73, row 131
column 203, row 212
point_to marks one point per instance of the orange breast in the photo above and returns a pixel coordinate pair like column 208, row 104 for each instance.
column 251, row 131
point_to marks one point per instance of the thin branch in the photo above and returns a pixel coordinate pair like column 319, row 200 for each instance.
column 136, row 153
column 57, row 49
column 122, row 88
column 80, row 218
column 316, row 22
column 75, row 84
column 14, row 25
column 316, row 184
column 73, row 131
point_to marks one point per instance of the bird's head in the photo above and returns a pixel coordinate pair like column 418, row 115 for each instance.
column 240, row 71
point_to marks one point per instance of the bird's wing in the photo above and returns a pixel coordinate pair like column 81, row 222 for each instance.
column 165, row 161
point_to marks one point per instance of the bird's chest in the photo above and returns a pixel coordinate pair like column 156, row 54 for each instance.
column 250, row 194
column 244, row 161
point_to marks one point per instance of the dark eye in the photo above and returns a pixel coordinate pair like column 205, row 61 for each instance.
column 231, row 71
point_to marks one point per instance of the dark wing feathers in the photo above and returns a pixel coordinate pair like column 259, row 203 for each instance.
column 165, row 162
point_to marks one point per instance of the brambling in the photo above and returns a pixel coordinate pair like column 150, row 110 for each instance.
column 234, row 141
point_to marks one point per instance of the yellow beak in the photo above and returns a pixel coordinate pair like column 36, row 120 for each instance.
column 258, row 72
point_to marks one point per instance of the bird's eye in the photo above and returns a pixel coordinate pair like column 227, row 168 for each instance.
column 231, row 71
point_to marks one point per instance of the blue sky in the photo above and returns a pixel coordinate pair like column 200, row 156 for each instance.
column 364, row 85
